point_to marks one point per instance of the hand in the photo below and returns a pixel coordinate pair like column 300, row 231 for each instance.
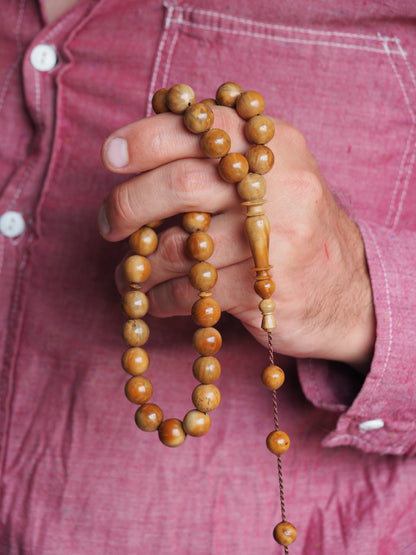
column 323, row 296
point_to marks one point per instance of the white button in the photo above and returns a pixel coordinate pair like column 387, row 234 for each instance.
column 12, row 224
column 370, row 425
column 43, row 57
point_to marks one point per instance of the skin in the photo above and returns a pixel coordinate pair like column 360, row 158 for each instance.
column 323, row 295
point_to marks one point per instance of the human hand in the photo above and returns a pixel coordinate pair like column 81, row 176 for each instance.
column 323, row 296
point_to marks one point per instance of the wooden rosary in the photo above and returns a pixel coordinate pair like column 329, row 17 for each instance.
column 247, row 172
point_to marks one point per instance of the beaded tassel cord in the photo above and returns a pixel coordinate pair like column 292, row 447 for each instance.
column 247, row 172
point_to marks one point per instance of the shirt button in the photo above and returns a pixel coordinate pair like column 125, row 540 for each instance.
column 12, row 224
column 43, row 57
column 370, row 425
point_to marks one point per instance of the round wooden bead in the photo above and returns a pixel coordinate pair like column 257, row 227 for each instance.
column 206, row 397
column 252, row 187
column 259, row 130
column 148, row 417
column 228, row 93
column 284, row 533
column 233, row 167
column 206, row 312
column 196, row 423
column 207, row 341
column 196, row 221
column 206, row 369
column 215, row 143
column 278, row 442
column 249, row 104
column 264, row 288
column 159, row 101
column 198, row 118
column 143, row 241
column 200, row 245
column 135, row 304
column 203, row 276
column 209, row 101
column 179, row 98
column 260, row 159
column 272, row 377
column 135, row 361
column 135, row 332
column 171, row 432
column 156, row 223
column 137, row 269
column 138, row 390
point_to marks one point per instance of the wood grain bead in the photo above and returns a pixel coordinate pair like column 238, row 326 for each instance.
column 233, row 167
column 137, row 269
column 209, row 101
column 148, row 417
column 278, row 442
column 171, row 432
column 215, row 143
column 249, row 104
column 206, row 312
column 265, row 288
column 135, row 304
column 138, row 390
column 203, row 276
column 260, row 159
column 135, row 332
column 207, row 341
column 179, row 98
column 196, row 423
column 267, row 307
column 159, row 104
column 284, row 533
column 196, row 221
column 206, row 397
column 198, row 118
column 143, row 241
column 228, row 93
column 200, row 245
column 259, row 130
column 135, row 361
column 206, row 369
column 273, row 377
column 252, row 187
column 155, row 223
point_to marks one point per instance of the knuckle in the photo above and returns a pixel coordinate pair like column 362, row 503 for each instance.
column 294, row 137
column 307, row 186
column 122, row 206
column 187, row 184
column 171, row 250
column 179, row 290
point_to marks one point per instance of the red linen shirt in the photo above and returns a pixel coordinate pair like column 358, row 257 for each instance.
column 77, row 476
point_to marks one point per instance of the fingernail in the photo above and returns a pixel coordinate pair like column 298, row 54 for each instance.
column 103, row 224
column 117, row 153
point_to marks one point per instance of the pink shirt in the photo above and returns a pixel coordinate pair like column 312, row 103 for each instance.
column 77, row 476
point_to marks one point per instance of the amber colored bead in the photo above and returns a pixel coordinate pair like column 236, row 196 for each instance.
column 179, row 98
column 138, row 390
column 148, row 417
column 196, row 423
column 209, row 101
column 200, row 245
column 203, row 276
column 228, row 93
column 137, row 269
column 135, row 332
column 249, row 104
column 206, row 312
column 252, row 187
column 272, row 377
column 207, row 341
column 206, row 397
column 278, row 442
column 259, row 130
column 135, row 304
column 215, row 143
column 260, row 159
column 267, row 307
column 135, row 361
column 265, row 288
column 196, row 221
column 159, row 101
column 171, row 432
column 156, row 223
column 206, row 369
column 198, row 118
column 285, row 533
column 143, row 241
column 233, row 167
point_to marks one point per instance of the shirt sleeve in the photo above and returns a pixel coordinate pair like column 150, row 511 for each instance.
column 378, row 413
